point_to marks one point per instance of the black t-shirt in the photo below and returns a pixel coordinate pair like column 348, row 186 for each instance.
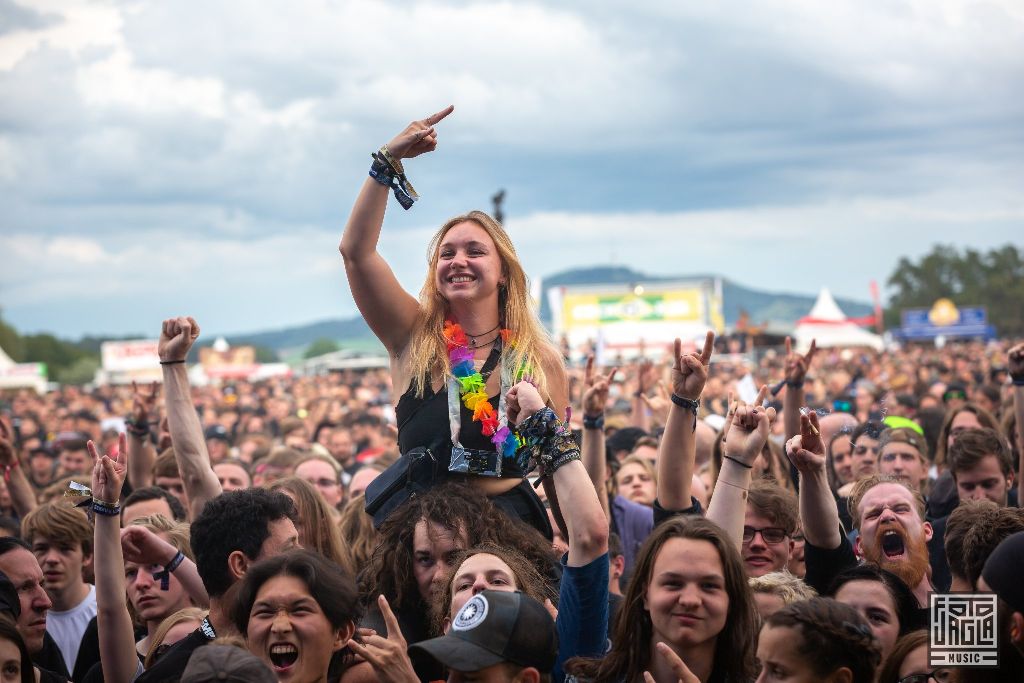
column 824, row 565
column 173, row 662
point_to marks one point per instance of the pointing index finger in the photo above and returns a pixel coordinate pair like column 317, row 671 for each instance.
column 789, row 346
column 588, row 372
column 435, row 118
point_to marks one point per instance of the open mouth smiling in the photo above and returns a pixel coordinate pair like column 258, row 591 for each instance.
column 283, row 656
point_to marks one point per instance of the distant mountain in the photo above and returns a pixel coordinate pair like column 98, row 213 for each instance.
column 762, row 306
column 349, row 332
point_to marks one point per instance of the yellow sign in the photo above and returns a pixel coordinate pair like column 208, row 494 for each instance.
column 678, row 305
column 944, row 312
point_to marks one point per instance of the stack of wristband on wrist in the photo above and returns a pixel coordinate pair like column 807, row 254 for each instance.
column 547, row 444
column 389, row 172
column 106, row 509
column 691, row 404
column 1017, row 379
column 593, row 421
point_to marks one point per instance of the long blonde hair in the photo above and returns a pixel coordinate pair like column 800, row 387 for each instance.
column 428, row 356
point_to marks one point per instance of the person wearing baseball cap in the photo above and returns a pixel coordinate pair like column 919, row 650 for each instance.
column 496, row 636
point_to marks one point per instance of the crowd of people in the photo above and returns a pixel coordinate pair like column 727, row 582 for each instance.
column 485, row 510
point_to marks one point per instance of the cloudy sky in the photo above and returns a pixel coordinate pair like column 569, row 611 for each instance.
column 159, row 158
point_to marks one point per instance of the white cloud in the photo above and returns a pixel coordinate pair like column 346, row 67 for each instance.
column 170, row 150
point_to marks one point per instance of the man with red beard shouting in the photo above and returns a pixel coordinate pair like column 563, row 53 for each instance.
column 888, row 514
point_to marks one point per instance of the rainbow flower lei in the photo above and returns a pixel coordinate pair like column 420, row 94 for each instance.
column 473, row 389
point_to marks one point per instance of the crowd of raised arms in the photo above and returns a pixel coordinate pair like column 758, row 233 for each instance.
column 488, row 510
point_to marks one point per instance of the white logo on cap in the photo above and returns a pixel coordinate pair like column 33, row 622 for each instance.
column 471, row 614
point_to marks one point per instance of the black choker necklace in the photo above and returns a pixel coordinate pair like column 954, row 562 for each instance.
column 473, row 343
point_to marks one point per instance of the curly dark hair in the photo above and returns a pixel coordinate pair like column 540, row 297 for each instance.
column 462, row 510
column 332, row 588
column 833, row 635
column 236, row 520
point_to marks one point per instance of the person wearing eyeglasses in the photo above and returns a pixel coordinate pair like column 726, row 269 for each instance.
column 323, row 474
column 908, row 662
column 768, row 528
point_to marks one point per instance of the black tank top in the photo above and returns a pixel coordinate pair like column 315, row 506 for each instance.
column 424, row 422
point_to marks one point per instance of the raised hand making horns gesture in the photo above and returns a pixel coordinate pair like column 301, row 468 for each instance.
column 690, row 372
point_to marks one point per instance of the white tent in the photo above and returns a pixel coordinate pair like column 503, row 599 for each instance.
column 831, row 328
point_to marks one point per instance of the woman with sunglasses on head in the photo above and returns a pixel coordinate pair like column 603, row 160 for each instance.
column 471, row 335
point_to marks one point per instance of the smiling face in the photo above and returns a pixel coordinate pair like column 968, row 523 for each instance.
column 468, row 265
column 759, row 556
column 686, row 596
column 480, row 572
column 636, row 484
column 289, row 631
column 875, row 604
